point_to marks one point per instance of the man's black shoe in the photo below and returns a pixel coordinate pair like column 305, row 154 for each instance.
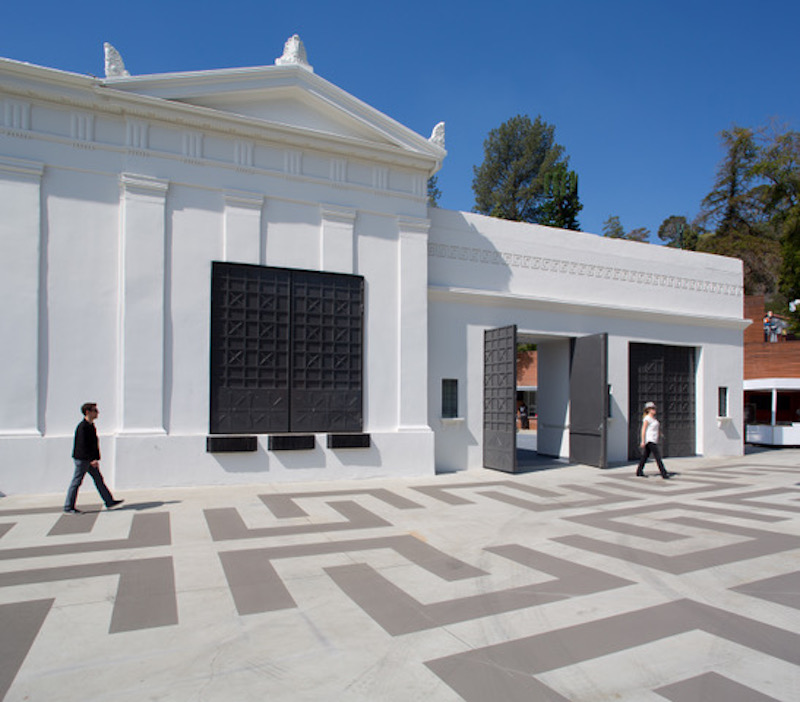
column 114, row 503
column 641, row 475
column 72, row 511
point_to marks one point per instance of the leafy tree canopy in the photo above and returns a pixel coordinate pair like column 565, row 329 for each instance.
column 677, row 233
column 613, row 229
column 525, row 177
column 753, row 210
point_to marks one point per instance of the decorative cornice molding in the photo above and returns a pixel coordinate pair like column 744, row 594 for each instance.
column 578, row 268
column 158, row 97
column 528, row 302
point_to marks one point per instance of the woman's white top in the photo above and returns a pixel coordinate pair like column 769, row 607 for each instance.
column 651, row 433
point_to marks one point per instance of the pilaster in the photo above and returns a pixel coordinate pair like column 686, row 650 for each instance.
column 142, row 300
column 242, row 227
column 20, row 290
column 337, row 239
column 412, row 382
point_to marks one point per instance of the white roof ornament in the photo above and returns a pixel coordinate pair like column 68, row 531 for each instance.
column 437, row 135
column 294, row 54
column 115, row 66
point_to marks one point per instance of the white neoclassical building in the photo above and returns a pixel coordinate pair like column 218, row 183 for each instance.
column 241, row 268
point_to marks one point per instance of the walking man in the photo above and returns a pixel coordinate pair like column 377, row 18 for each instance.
column 86, row 454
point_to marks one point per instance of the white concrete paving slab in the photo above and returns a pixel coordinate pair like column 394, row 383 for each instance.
column 560, row 583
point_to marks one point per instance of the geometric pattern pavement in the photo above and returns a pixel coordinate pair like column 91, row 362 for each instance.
column 566, row 584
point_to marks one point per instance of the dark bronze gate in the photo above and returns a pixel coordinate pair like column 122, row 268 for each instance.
column 500, row 399
column 664, row 375
column 588, row 401
column 286, row 350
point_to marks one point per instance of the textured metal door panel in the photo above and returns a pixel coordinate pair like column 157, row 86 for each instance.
column 664, row 375
column 588, row 401
column 500, row 399
column 678, row 420
column 249, row 350
column 327, row 352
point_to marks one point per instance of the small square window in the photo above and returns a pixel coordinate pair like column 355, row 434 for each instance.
column 449, row 398
column 722, row 402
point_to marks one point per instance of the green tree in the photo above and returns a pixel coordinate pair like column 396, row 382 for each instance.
column 433, row 192
column 731, row 206
column 613, row 229
column 677, row 233
column 779, row 168
column 521, row 177
column 561, row 204
column 738, row 213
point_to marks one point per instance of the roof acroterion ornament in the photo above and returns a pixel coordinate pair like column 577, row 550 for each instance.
column 437, row 135
column 294, row 54
column 115, row 66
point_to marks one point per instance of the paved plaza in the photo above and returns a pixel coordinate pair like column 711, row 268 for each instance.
column 560, row 583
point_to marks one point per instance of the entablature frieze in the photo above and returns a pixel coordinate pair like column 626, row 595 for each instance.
column 580, row 268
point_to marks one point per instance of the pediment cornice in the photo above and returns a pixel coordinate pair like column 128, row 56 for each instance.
column 229, row 90
column 174, row 97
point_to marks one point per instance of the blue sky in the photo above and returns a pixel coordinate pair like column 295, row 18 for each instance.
column 637, row 91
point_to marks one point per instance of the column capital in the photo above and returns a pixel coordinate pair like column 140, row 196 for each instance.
column 143, row 185
column 20, row 169
column 243, row 199
column 413, row 225
column 334, row 213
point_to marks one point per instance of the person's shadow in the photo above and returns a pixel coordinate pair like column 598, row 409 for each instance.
column 133, row 506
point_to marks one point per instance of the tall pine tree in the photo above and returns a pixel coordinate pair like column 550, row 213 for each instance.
column 524, row 175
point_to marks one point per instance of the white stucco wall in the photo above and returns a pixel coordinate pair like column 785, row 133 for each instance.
column 553, row 285
column 114, row 207
column 118, row 195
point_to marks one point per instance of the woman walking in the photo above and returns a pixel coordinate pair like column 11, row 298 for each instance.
column 651, row 433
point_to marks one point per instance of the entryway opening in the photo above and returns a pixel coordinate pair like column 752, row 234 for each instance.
column 562, row 397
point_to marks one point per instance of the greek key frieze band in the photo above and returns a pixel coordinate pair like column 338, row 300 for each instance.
column 591, row 270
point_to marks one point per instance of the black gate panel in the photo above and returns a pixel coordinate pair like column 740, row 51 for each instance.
column 249, row 350
column 588, row 395
column 500, row 399
column 327, row 320
column 664, row 375
column 286, row 350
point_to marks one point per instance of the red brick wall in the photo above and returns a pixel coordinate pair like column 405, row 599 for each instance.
column 527, row 372
column 763, row 359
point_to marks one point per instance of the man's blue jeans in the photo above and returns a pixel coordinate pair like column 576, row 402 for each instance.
column 81, row 469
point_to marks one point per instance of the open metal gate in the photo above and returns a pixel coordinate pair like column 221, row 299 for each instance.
column 588, row 401
column 500, row 399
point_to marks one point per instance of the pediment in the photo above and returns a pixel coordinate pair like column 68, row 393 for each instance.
column 292, row 109
column 288, row 96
